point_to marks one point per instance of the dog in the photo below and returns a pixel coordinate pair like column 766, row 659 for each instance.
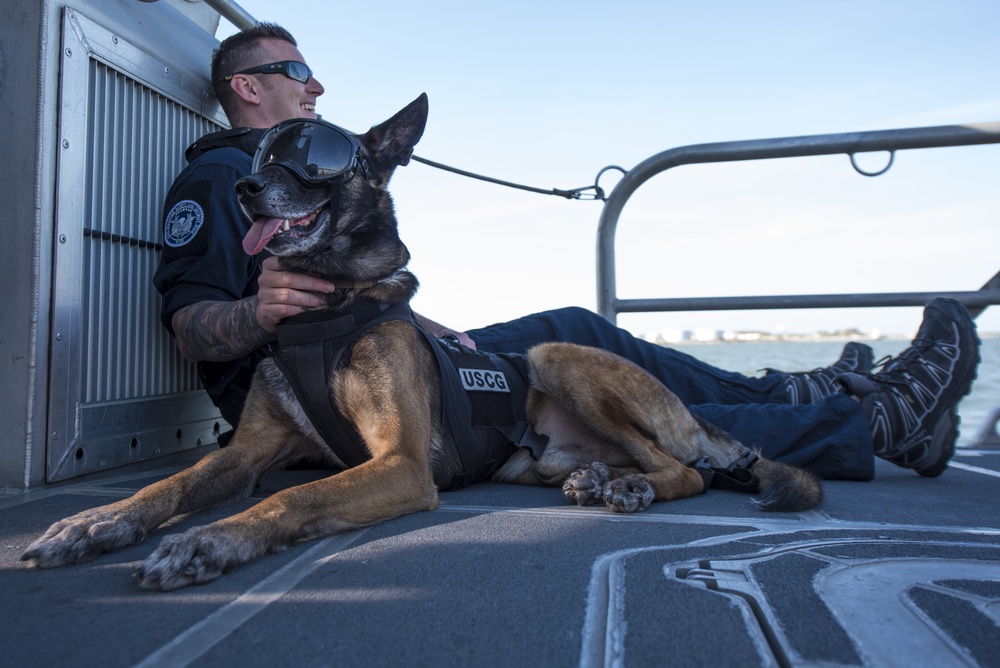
column 614, row 433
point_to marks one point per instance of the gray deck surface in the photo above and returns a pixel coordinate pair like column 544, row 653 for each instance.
column 901, row 571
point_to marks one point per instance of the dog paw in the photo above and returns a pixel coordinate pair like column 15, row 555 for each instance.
column 197, row 556
column 82, row 537
column 586, row 485
column 628, row 494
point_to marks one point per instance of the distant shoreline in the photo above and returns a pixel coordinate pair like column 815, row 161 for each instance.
column 794, row 338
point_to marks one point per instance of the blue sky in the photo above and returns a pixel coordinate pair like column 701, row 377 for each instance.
column 548, row 93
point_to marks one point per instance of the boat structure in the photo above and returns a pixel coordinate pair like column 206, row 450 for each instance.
column 101, row 97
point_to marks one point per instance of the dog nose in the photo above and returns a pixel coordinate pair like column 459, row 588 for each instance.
column 250, row 185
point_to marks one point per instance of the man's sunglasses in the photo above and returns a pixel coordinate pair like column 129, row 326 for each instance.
column 292, row 69
column 315, row 151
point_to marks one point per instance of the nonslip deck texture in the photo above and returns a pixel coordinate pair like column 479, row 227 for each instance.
column 900, row 571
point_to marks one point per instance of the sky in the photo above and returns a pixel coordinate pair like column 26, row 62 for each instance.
column 547, row 94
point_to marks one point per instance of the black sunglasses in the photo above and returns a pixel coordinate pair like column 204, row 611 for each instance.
column 315, row 151
column 292, row 69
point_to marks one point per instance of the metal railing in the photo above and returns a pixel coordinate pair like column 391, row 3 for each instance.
column 232, row 12
column 608, row 303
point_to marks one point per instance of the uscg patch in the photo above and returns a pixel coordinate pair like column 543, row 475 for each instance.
column 183, row 223
column 483, row 380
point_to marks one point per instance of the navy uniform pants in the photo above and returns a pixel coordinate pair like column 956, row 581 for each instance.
column 831, row 438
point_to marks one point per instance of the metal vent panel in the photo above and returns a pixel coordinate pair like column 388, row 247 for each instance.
column 135, row 148
column 119, row 390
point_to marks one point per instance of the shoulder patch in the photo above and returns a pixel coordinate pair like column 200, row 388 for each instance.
column 182, row 223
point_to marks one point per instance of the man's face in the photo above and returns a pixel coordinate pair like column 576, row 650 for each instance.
column 281, row 97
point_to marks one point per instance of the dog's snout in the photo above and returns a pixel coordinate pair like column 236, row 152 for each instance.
column 250, row 186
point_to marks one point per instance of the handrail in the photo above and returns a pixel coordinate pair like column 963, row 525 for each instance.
column 608, row 304
column 233, row 13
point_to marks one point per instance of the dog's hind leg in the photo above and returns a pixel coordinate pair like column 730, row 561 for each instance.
column 630, row 412
column 599, row 407
column 626, row 489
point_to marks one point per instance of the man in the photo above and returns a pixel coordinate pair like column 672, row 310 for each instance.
column 223, row 308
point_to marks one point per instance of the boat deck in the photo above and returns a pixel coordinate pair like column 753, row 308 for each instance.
column 900, row 571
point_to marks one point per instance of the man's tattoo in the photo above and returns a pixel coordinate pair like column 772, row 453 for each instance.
column 220, row 331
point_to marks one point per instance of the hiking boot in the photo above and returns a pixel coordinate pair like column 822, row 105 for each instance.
column 811, row 386
column 912, row 400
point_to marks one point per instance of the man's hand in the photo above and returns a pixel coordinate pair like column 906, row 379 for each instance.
column 441, row 331
column 222, row 331
column 282, row 294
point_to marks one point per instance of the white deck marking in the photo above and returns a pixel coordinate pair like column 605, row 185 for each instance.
column 900, row 634
column 605, row 626
column 214, row 628
column 975, row 469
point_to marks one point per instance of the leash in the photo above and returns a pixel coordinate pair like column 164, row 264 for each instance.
column 594, row 192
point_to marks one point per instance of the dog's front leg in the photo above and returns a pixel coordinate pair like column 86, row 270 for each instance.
column 220, row 476
column 385, row 394
column 374, row 491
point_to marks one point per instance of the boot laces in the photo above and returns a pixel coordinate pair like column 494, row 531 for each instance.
column 897, row 370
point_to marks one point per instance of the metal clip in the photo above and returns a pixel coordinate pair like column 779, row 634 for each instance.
column 746, row 459
column 594, row 192
column 583, row 194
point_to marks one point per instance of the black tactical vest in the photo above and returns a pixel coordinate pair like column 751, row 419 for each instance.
column 483, row 395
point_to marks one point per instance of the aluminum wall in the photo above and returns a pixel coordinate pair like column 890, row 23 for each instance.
column 118, row 89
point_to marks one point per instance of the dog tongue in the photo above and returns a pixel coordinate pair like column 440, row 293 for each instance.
column 260, row 233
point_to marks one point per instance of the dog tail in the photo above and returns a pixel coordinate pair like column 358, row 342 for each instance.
column 785, row 488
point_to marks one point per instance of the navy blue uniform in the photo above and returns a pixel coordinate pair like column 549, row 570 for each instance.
column 832, row 438
column 203, row 258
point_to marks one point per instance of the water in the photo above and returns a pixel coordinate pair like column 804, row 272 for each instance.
column 750, row 358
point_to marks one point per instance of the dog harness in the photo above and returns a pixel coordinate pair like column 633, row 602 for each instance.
column 483, row 395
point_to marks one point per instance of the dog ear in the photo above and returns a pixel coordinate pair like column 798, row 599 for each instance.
column 390, row 144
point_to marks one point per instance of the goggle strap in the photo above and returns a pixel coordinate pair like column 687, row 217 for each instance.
column 335, row 190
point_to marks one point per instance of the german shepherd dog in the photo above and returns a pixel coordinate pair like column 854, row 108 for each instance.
column 615, row 433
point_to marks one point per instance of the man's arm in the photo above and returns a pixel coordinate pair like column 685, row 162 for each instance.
column 219, row 331
column 283, row 294
column 440, row 330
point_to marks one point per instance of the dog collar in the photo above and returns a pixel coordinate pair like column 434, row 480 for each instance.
column 361, row 285
column 355, row 285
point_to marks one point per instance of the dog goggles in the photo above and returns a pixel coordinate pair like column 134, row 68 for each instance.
column 292, row 69
column 315, row 151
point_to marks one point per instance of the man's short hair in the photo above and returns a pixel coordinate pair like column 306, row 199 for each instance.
column 238, row 52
